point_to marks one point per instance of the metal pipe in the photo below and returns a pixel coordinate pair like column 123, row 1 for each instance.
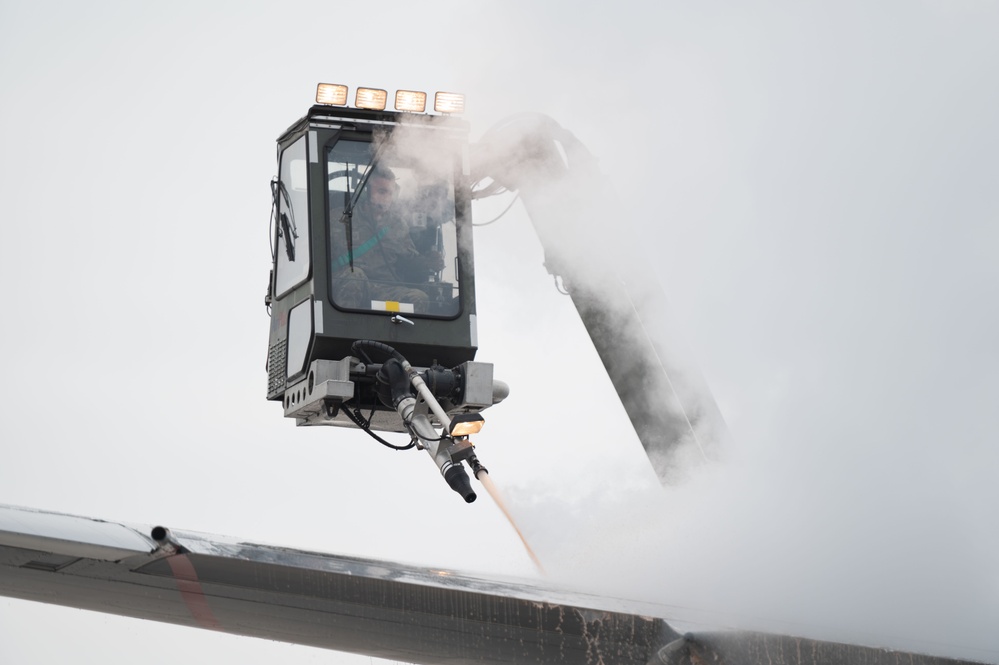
column 420, row 426
column 428, row 397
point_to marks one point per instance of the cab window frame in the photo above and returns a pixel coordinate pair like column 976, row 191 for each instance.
column 293, row 218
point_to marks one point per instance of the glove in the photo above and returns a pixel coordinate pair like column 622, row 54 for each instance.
column 433, row 261
column 418, row 267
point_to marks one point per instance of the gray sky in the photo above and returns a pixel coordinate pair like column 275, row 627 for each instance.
column 815, row 181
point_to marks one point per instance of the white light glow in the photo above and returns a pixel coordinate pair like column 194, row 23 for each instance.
column 410, row 100
column 371, row 98
column 449, row 102
column 331, row 93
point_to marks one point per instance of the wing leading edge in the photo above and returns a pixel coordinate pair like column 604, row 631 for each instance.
column 374, row 608
column 368, row 607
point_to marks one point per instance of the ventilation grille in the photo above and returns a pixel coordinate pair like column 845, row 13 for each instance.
column 277, row 361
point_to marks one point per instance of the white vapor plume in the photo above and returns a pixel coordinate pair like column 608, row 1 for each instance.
column 820, row 222
column 771, row 544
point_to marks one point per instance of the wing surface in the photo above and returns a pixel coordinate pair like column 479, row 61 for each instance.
column 374, row 608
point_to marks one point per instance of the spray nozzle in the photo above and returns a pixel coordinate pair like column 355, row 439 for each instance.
column 476, row 465
column 459, row 482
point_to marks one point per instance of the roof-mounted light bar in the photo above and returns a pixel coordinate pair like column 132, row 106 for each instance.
column 331, row 93
column 410, row 100
column 372, row 99
column 449, row 102
column 375, row 99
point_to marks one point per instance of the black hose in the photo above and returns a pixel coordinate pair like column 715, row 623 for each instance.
column 365, row 425
column 359, row 346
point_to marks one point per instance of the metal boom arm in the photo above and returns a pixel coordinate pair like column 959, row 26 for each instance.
column 592, row 248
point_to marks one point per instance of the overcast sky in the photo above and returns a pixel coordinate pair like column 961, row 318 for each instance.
column 817, row 182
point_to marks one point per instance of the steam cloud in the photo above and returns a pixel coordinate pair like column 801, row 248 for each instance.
column 765, row 534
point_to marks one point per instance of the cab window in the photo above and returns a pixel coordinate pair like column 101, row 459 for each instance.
column 291, row 193
column 392, row 230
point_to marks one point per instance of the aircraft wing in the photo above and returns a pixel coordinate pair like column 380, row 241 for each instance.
column 374, row 608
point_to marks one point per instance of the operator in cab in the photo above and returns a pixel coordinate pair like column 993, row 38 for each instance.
column 382, row 262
